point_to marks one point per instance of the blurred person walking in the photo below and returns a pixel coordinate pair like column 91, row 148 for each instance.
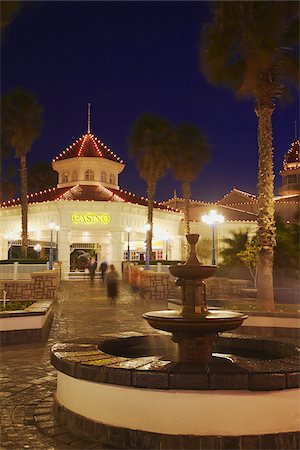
column 92, row 269
column 103, row 269
column 112, row 281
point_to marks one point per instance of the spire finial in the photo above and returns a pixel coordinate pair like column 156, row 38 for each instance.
column 89, row 118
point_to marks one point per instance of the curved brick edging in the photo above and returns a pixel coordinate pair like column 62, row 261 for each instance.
column 119, row 438
column 88, row 362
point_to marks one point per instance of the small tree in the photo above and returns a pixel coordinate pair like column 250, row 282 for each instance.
column 249, row 257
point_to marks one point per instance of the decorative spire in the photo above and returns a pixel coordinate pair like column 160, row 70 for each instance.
column 89, row 119
column 175, row 198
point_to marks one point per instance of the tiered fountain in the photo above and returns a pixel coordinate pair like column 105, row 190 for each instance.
column 195, row 327
column 128, row 391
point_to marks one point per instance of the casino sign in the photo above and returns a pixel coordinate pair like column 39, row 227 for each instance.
column 91, row 218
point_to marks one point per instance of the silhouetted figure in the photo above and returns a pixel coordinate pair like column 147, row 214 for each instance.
column 92, row 269
column 111, row 280
column 103, row 269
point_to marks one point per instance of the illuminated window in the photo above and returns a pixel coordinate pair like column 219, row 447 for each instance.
column 112, row 179
column 104, row 177
column 89, row 175
column 65, row 178
column 74, row 175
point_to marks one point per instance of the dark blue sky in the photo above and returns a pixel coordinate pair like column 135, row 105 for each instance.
column 128, row 58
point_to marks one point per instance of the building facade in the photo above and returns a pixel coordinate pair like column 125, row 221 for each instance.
column 91, row 214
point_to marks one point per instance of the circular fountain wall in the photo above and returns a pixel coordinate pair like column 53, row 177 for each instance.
column 128, row 393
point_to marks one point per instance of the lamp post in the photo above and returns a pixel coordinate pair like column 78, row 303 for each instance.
column 56, row 253
column 128, row 229
column 51, row 226
column 212, row 219
column 37, row 248
column 147, row 228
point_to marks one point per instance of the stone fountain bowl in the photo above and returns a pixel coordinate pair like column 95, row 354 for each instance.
column 192, row 271
column 210, row 322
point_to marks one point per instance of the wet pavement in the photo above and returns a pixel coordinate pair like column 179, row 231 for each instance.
column 28, row 381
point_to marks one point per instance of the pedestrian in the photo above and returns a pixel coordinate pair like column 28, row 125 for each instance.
column 111, row 280
column 103, row 269
column 92, row 268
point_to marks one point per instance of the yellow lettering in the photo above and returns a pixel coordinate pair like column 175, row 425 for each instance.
column 91, row 218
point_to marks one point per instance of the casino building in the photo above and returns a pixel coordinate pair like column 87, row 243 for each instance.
column 92, row 211
column 95, row 215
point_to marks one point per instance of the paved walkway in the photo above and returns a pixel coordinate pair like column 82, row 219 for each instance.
column 28, row 380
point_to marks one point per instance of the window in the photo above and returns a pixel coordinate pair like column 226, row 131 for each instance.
column 159, row 254
column 65, row 178
column 89, row 175
column 112, row 179
column 103, row 177
column 74, row 175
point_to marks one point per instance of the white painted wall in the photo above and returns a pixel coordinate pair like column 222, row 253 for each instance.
column 23, row 323
column 225, row 413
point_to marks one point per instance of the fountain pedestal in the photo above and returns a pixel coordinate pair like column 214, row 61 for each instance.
column 194, row 348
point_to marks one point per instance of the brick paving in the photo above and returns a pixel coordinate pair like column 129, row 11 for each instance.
column 28, row 380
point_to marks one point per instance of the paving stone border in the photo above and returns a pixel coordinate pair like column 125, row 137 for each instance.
column 104, row 363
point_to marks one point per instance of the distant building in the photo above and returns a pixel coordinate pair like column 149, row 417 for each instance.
column 95, row 215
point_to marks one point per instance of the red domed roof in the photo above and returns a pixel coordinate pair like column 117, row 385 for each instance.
column 88, row 145
column 292, row 156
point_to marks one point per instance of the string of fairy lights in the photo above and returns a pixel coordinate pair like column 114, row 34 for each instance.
column 82, row 142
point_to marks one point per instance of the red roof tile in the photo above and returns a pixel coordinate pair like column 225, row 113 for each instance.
column 85, row 193
column 88, row 146
column 292, row 156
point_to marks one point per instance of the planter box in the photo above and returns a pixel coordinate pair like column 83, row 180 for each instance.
column 28, row 325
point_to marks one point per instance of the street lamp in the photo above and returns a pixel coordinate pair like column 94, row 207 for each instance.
column 56, row 253
column 37, row 248
column 51, row 226
column 147, row 228
column 212, row 219
column 128, row 229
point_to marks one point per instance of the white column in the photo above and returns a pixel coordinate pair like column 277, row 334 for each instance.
column 117, row 247
column 3, row 248
column 175, row 248
column 64, row 252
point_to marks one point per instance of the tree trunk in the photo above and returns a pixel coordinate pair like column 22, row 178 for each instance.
column 151, row 192
column 24, row 205
column 186, row 190
column 266, row 222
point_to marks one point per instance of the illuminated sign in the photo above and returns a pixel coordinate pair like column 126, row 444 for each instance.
column 91, row 218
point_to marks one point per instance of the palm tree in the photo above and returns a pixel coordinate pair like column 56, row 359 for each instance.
column 250, row 47
column 190, row 153
column 149, row 144
column 21, row 125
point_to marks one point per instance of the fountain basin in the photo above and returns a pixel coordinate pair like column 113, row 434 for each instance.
column 210, row 322
column 191, row 271
column 148, row 401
